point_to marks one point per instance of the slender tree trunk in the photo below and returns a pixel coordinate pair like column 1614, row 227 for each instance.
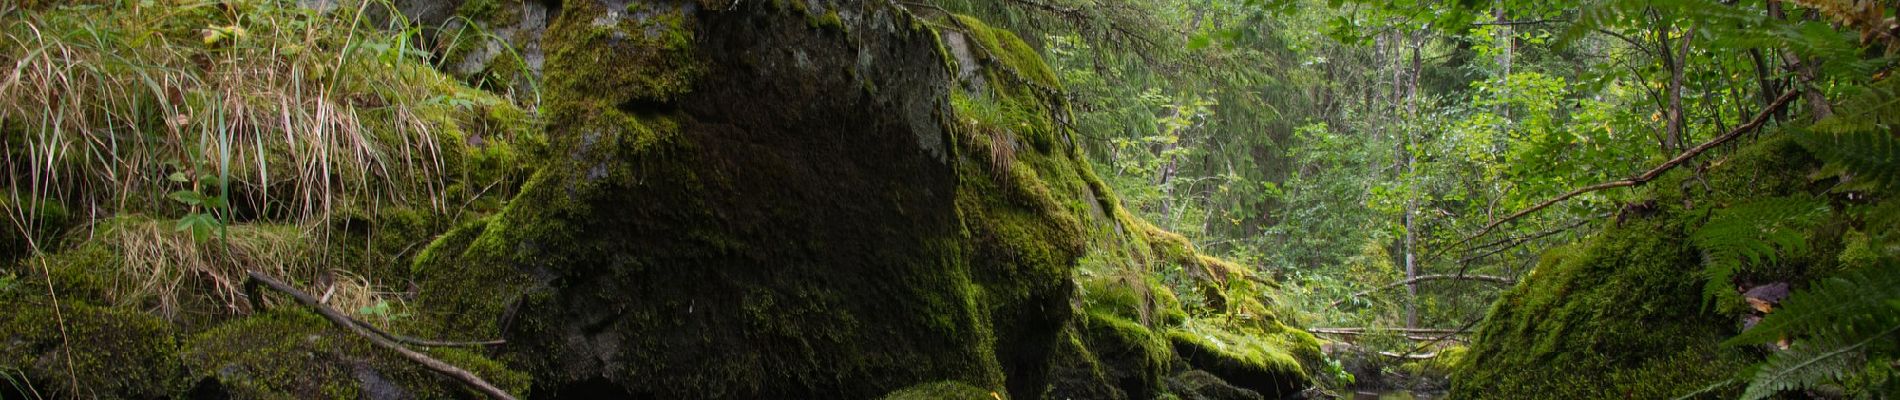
column 1676, row 61
column 1411, row 200
column 1818, row 105
column 1504, row 57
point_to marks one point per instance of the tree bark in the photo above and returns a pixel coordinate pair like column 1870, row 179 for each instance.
column 1676, row 61
column 1818, row 106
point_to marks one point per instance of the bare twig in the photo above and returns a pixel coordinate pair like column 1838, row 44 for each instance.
column 1521, row 22
column 1362, row 331
column 1646, row 176
column 1422, row 278
column 1410, row 356
column 1461, row 330
column 425, row 342
column 337, row 318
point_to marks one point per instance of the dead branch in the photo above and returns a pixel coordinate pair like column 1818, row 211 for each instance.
column 1422, row 278
column 1408, row 356
column 1652, row 173
column 1362, row 331
column 340, row 320
column 425, row 342
column 1462, row 329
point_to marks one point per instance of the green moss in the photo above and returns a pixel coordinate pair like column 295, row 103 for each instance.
column 946, row 390
column 1133, row 357
column 1077, row 373
column 1005, row 48
column 292, row 353
column 828, row 20
column 1595, row 314
column 1167, row 304
column 1622, row 314
column 1263, row 361
column 48, row 218
column 617, row 59
column 110, row 353
column 1201, row 385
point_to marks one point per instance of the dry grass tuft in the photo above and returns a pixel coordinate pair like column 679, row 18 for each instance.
column 228, row 120
column 169, row 273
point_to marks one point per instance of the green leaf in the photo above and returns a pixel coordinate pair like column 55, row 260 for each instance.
column 178, row 177
column 188, row 197
column 1199, row 41
column 381, row 308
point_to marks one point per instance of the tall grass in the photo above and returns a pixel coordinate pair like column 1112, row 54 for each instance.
column 208, row 114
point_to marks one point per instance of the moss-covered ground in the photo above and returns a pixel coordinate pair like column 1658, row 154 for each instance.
column 1623, row 314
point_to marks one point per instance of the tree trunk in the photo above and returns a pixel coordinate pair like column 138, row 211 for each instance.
column 1818, row 105
column 1676, row 61
column 1411, row 201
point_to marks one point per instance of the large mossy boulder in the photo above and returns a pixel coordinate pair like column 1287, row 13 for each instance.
column 1624, row 313
column 743, row 203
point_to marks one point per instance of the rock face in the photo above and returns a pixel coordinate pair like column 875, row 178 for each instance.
column 760, row 201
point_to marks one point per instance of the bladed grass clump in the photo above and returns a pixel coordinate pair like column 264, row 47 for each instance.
column 198, row 118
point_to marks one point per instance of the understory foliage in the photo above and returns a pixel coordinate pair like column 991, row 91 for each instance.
column 1843, row 330
column 1843, row 327
column 1347, row 145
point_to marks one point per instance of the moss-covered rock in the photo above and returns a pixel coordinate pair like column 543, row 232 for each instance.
column 1623, row 314
column 292, row 353
column 1201, row 385
column 1271, row 363
column 946, row 390
column 106, row 352
column 706, row 229
column 687, row 242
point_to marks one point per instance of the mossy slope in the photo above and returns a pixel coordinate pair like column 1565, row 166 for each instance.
column 1622, row 314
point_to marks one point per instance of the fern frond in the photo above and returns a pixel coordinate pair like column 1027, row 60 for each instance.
column 1809, row 362
column 1871, row 108
column 1753, row 233
column 1870, row 155
column 1854, row 302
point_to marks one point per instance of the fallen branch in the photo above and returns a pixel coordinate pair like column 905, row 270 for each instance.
column 1652, row 173
column 1433, row 342
column 1406, row 336
column 1361, row 331
column 1510, row 243
column 340, row 320
column 425, row 342
column 1425, row 356
column 1422, row 278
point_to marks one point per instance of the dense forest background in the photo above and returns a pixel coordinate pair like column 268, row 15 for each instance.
column 1011, row 198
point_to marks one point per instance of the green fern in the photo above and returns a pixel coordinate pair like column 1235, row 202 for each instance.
column 1811, row 362
column 1843, row 322
column 1753, row 234
column 1856, row 302
column 1870, row 155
